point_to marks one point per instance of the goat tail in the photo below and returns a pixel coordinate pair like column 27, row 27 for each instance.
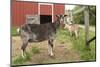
column 18, row 30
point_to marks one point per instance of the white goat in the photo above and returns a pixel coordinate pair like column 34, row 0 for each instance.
column 72, row 28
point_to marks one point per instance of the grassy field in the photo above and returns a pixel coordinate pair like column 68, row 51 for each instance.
column 77, row 47
column 21, row 60
column 79, row 44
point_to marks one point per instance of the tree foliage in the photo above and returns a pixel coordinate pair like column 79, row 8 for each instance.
column 79, row 17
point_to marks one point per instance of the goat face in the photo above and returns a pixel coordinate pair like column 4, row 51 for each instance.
column 60, row 18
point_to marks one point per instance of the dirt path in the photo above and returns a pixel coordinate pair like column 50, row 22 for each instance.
column 64, row 52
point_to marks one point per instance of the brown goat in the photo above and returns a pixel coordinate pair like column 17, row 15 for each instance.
column 73, row 29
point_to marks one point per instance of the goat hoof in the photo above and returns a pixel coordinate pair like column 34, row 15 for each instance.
column 51, row 55
column 23, row 56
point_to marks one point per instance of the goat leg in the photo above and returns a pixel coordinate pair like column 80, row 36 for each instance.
column 50, row 47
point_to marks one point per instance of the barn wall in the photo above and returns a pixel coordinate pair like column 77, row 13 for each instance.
column 45, row 10
column 59, row 9
column 20, row 10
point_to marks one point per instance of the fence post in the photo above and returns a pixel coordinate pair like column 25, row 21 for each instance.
column 86, row 19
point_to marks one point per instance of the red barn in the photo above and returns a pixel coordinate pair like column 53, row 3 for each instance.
column 22, row 8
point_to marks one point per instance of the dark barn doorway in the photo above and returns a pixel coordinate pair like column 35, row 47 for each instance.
column 45, row 19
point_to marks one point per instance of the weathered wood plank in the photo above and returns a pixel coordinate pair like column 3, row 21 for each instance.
column 86, row 20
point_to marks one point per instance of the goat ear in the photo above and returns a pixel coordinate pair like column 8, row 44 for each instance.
column 65, row 15
column 58, row 16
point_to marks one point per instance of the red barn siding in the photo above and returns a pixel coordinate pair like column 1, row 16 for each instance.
column 20, row 10
column 59, row 9
column 45, row 10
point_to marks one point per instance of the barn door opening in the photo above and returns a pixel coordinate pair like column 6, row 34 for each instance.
column 45, row 12
column 45, row 19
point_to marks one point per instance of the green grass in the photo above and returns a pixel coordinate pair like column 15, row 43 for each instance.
column 79, row 44
column 35, row 50
column 20, row 60
column 63, row 36
column 14, row 31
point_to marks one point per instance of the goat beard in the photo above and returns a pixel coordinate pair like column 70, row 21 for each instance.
column 62, row 25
